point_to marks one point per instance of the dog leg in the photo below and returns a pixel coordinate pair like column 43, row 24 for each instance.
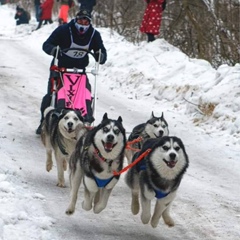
column 135, row 202
column 60, row 171
column 49, row 162
column 90, row 191
column 65, row 165
column 146, row 197
column 129, row 155
column 75, row 182
column 103, row 200
column 167, row 218
column 159, row 208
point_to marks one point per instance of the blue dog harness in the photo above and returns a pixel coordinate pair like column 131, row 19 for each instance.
column 158, row 194
column 102, row 182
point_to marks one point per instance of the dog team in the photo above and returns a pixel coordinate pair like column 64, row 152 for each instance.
column 95, row 158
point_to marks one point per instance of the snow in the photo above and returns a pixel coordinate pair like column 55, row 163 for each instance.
column 136, row 80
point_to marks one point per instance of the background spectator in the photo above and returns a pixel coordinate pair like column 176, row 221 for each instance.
column 152, row 18
column 87, row 5
column 63, row 11
column 21, row 16
column 37, row 5
column 46, row 12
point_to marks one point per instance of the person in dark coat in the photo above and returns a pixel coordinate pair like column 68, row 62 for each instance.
column 46, row 13
column 37, row 4
column 87, row 4
column 152, row 18
column 21, row 16
column 79, row 33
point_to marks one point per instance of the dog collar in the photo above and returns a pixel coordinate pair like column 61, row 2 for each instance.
column 108, row 161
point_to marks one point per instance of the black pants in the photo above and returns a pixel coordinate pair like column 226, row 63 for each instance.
column 151, row 37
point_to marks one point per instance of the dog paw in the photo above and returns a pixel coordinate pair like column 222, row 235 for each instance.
column 86, row 206
column 135, row 208
column 169, row 222
column 145, row 218
column 49, row 167
column 62, row 185
column 69, row 211
column 154, row 223
column 97, row 209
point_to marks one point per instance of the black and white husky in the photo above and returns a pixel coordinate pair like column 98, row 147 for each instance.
column 60, row 131
column 98, row 154
column 155, row 127
column 157, row 176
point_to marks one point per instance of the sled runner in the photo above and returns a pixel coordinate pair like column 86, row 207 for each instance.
column 71, row 88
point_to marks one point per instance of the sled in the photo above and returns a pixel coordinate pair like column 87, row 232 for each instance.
column 70, row 86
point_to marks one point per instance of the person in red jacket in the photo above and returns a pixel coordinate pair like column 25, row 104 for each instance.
column 46, row 12
column 152, row 18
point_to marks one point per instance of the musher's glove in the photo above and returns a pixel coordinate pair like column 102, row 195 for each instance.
column 54, row 52
column 101, row 59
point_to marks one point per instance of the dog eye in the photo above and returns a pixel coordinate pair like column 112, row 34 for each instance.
column 163, row 126
column 155, row 125
column 76, row 119
column 105, row 129
column 177, row 148
column 116, row 131
column 165, row 148
column 66, row 118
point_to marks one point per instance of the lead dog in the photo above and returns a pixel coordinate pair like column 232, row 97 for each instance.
column 98, row 154
column 157, row 175
column 155, row 127
column 60, row 131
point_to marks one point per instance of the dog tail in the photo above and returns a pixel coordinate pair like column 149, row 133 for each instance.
column 47, row 110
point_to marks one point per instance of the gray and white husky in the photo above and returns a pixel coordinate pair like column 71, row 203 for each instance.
column 60, row 131
column 157, row 176
column 155, row 127
column 98, row 154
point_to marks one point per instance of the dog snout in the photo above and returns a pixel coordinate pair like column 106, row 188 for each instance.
column 70, row 124
column 172, row 156
column 110, row 138
column 161, row 132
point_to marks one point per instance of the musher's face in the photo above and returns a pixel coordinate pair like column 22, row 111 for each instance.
column 83, row 21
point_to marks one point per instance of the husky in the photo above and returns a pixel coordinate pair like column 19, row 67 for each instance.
column 60, row 131
column 155, row 127
column 157, row 175
column 98, row 155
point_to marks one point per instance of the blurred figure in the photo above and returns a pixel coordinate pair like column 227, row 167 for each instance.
column 152, row 18
column 37, row 5
column 87, row 5
column 63, row 11
column 21, row 16
column 46, row 13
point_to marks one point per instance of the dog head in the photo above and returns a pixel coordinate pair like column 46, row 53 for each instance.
column 168, row 157
column 110, row 137
column 70, row 122
column 156, row 127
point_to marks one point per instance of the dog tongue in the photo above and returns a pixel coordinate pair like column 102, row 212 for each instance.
column 171, row 164
column 108, row 146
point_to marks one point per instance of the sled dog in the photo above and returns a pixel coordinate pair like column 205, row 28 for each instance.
column 60, row 131
column 98, row 154
column 155, row 127
column 157, row 175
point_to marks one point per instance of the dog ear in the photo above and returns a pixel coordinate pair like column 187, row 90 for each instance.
column 105, row 117
column 79, row 115
column 119, row 119
column 162, row 115
column 153, row 115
